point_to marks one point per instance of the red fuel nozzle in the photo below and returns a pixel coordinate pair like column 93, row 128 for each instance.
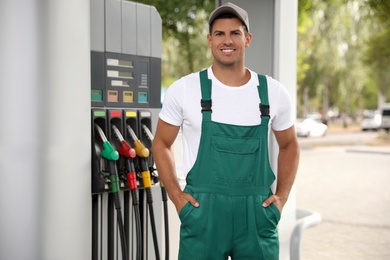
column 126, row 150
column 132, row 180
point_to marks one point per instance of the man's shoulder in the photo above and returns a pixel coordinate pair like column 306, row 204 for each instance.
column 188, row 79
column 271, row 82
column 186, row 85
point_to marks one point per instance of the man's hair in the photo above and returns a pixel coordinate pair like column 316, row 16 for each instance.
column 226, row 16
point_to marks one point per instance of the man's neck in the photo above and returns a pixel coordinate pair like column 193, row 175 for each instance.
column 230, row 75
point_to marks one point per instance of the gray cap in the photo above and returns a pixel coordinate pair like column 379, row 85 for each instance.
column 230, row 8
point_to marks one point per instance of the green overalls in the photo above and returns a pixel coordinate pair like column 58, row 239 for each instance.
column 231, row 178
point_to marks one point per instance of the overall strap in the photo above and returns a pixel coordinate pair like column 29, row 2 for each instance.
column 205, row 102
column 264, row 104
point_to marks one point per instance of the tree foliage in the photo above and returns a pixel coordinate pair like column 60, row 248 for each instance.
column 185, row 25
column 378, row 51
column 343, row 49
column 338, row 49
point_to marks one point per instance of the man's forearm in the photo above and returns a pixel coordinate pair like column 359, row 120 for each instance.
column 165, row 163
column 287, row 169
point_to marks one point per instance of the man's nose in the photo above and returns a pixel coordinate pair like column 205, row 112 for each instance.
column 228, row 39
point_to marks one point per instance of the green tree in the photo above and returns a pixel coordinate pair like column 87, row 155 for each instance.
column 185, row 28
column 318, row 57
column 378, row 51
column 331, row 38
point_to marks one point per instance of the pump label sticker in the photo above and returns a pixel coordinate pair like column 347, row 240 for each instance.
column 143, row 97
column 128, row 96
column 112, row 96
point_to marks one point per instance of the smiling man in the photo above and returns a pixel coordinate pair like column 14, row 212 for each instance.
column 227, row 207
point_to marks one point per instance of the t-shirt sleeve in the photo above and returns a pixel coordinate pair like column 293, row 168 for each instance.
column 172, row 109
column 284, row 114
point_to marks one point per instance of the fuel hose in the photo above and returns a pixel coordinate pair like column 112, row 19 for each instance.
column 111, row 155
column 164, row 196
column 143, row 153
column 129, row 154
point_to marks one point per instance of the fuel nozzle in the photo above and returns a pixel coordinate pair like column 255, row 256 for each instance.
column 143, row 153
column 125, row 149
column 112, row 155
column 150, row 136
column 140, row 149
column 147, row 132
column 108, row 151
column 129, row 153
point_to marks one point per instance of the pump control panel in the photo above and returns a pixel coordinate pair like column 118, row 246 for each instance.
column 121, row 80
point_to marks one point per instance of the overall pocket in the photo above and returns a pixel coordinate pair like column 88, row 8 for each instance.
column 193, row 229
column 267, row 220
column 234, row 160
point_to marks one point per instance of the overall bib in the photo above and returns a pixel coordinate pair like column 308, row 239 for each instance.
column 231, row 178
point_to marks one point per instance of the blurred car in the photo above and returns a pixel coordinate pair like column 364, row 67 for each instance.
column 371, row 121
column 385, row 124
column 310, row 128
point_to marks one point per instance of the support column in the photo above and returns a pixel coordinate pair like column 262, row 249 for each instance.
column 66, row 131
column 45, row 196
column 19, row 130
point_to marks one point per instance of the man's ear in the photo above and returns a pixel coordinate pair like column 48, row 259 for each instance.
column 248, row 40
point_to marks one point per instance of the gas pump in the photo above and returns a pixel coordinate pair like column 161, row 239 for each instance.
column 125, row 95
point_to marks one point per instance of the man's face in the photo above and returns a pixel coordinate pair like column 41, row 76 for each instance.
column 228, row 41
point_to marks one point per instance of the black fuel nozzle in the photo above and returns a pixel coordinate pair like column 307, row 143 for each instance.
column 147, row 132
column 155, row 178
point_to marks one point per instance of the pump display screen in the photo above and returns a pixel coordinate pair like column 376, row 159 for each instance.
column 119, row 74
column 120, row 63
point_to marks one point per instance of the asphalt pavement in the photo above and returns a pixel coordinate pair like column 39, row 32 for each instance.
column 345, row 176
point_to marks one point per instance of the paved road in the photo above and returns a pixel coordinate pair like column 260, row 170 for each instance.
column 346, row 178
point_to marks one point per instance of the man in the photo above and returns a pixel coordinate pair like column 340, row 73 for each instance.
column 227, row 207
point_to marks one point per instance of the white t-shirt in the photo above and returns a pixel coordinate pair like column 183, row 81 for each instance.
column 230, row 105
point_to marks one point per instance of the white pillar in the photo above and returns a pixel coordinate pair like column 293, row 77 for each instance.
column 45, row 199
column 66, row 193
column 19, row 130
column 285, row 70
